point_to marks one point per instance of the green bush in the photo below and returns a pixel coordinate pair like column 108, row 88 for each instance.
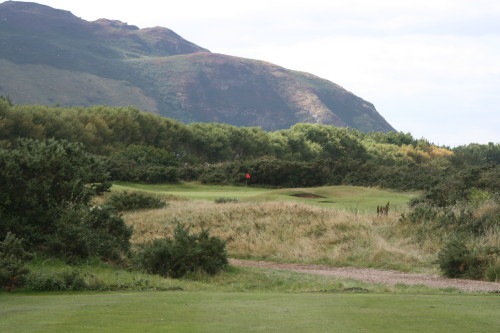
column 12, row 262
column 142, row 164
column 427, row 220
column 124, row 201
column 184, row 253
column 83, row 232
column 62, row 281
column 455, row 259
column 37, row 178
column 225, row 200
column 493, row 270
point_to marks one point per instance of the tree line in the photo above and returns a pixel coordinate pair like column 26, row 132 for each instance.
column 140, row 146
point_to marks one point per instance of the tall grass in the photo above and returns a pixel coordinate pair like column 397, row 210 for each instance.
column 289, row 232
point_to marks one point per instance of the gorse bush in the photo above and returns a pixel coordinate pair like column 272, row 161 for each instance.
column 83, row 232
column 12, row 262
column 430, row 221
column 493, row 271
column 184, row 253
column 37, row 179
column 455, row 259
column 124, row 169
column 125, row 201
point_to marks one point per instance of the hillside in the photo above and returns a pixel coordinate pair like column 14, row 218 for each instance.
column 50, row 56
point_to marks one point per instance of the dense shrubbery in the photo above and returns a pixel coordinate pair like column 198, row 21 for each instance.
column 464, row 204
column 137, row 146
column 12, row 262
column 269, row 171
column 463, row 218
column 46, row 189
column 102, row 130
column 128, row 170
column 67, row 280
column 38, row 179
column 184, row 253
column 83, row 232
column 142, row 164
column 124, row 201
column 457, row 260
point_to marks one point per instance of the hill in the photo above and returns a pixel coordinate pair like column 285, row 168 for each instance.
column 50, row 56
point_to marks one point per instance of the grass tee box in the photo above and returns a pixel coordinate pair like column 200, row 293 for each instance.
column 352, row 198
column 247, row 312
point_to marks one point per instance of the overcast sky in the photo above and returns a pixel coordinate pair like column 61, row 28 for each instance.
column 430, row 67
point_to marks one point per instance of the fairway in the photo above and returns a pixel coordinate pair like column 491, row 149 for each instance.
column 194, row 191
column 247, row 312
column 351, row 198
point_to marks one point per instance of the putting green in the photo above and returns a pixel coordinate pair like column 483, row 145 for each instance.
column 352, row 198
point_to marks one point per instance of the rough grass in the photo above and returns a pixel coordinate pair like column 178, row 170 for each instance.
column 100, row 276
column 289, row 232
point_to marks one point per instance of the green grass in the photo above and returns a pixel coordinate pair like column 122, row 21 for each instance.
column 194, row 191
column 247, row 299
column 246, row 312
column 352, row 198
column 104, row 277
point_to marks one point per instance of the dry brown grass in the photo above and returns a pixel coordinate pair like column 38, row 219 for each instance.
column 288, row 232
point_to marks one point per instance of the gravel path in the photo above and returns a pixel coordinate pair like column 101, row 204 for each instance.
column 372, row 275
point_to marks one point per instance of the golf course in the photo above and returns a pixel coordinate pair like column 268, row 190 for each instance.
column 334, row 225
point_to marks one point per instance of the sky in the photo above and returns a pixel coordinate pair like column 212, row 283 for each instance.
column 430, row 67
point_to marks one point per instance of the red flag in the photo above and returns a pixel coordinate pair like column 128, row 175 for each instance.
column 247, row 176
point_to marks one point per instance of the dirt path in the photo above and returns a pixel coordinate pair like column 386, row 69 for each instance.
column 377, row 276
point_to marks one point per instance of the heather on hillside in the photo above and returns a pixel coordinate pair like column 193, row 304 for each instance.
column 53, row 57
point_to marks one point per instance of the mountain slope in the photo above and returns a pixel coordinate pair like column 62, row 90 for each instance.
column 50, row 56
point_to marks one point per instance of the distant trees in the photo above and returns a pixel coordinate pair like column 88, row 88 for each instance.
column 324, row 142
column 6, row 100
column 101, row 129
column 142, row 164
column 144, row 147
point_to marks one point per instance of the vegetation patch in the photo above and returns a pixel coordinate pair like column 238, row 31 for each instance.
column 307, row 196
column 183, row 253
column 54, row 161
column 225, row 200
column 457, row 260
column 125, row 201
column 13, row 260
column 289, row 232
